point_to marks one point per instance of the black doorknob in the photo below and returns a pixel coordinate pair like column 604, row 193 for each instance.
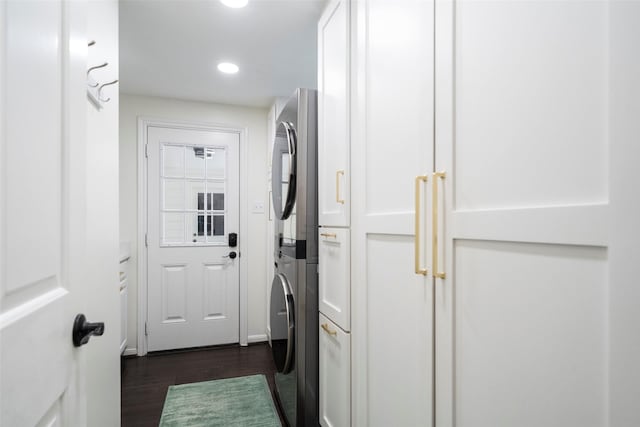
column 83, row 330
column 233, row 255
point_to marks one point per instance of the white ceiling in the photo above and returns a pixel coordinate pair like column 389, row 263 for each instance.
column 171, row 49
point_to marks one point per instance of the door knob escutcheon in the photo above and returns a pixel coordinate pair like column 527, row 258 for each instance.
column 83, row 330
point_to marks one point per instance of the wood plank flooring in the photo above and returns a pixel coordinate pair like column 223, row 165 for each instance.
column 145, row 380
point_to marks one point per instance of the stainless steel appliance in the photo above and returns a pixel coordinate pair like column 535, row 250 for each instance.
column 294, row 293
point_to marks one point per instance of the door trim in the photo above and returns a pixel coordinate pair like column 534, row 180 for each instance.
column 144, row 123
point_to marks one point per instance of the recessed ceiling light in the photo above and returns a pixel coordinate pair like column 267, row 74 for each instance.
column 236, row 4
column 228, row 68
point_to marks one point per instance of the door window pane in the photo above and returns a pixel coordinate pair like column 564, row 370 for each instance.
column 218, row 225
column 197, row 228
column 172, row 161
column 216, row 163
column 172, row 228
column 216, row 233
column 173, row 194
column 195, row 195
column 195, row 162
column 218, row 201
column 216, row 195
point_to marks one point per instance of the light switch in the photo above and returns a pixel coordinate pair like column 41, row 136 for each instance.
column 258, row 206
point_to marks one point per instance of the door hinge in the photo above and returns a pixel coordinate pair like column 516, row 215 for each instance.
column 146, row 331
column 146, row 150
column 146, row 240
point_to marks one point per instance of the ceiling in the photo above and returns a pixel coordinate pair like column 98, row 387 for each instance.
column 172, row 48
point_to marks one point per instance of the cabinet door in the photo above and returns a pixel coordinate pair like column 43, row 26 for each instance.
column 334, row 291
column 526, row 315
column 333, row 115
column 335, row 375
column 393, row 145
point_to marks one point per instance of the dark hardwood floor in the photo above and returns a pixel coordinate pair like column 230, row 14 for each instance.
column 145, row 380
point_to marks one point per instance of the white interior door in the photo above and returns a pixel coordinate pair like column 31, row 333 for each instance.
column 193, row 206
column 43, row 52
column 522, row 317
column 393, row 144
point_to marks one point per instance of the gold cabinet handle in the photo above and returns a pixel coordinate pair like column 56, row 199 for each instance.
column 328, row 235
column 327, row 330
column 419, row 270
column 338, row 199
column 436, row 177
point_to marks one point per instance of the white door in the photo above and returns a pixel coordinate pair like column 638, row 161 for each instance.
column 43, row 51
column 393, row 144
column 193, row 208
column 523, row 317
column 333, row 114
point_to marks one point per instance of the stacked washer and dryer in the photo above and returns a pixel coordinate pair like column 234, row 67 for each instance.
column 294, row 292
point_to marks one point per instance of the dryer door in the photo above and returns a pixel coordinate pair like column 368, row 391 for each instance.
column 282, row 324
column 283, row 177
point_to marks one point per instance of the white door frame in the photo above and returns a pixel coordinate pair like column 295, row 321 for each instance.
column 143, row 124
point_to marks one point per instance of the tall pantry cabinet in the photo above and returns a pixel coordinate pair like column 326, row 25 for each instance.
column 488, row 146
column 392, row 165
column 526, row 128
column 334, row 289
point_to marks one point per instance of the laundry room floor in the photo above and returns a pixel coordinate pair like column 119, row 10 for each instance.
column 145, row 380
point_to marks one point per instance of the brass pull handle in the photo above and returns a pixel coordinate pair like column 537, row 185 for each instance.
column 333, row 235
column 418, row 269
column 338, row 199
column 436, row 176
column 327, row 330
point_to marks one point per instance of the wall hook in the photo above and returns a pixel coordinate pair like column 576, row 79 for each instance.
column 100, row 90
column 91, row 83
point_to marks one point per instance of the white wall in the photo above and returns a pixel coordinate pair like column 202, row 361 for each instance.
column 255, row 121
column 102, row 354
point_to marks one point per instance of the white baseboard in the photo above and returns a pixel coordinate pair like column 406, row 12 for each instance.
column 257, row 338
column 130, row 351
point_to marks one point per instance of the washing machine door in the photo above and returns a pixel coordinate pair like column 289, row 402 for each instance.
column 283, row 175
column 282, row 324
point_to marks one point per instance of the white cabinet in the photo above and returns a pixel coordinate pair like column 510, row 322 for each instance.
column 334, row 290
column 487, row 231
column 392, row 309
column 524, row 216
column 334, row 210
column 124, row 291
column 333, row 115
column 335, row 375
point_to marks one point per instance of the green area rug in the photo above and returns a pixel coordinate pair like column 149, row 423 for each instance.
column 242, row 401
